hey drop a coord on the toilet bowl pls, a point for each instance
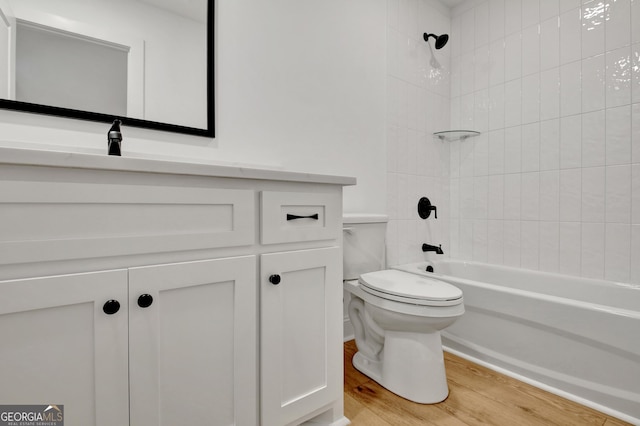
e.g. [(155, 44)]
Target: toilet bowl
[(397, 331), (397, 317)]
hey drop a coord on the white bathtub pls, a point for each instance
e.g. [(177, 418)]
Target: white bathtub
[(579, 338)]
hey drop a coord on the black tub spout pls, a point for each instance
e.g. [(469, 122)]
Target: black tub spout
[(429, 247)]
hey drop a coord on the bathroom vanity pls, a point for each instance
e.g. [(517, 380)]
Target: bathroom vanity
[(143, 292)]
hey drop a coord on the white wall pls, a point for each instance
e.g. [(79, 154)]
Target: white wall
[(302, 84), (417, 105), (5, 86), (554, 182), (299, 85)]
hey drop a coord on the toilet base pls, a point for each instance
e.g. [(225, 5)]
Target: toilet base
[(412, 366)]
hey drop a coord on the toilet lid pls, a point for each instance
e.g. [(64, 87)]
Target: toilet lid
[(409, 286)]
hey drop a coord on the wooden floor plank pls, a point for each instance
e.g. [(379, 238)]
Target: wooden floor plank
[(359, 414), (477, 395), (614, 422), (352, 380), (398, 411), (518, 396), (475, 408)]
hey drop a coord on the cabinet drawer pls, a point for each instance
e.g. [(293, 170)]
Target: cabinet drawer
[(43, 221), (296, 216)]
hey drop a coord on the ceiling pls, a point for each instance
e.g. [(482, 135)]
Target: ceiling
[(192, 9), (452, 3), (197, 9)]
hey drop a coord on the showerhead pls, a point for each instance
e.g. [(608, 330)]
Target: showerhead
[(441, 40)]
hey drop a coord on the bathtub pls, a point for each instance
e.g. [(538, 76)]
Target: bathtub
[(576, 337)]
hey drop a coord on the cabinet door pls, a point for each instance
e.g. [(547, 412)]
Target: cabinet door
[(301, 334), (193, 348), (58, 346)]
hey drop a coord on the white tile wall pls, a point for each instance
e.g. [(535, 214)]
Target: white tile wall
[(593, 83), (549, 246), (593, 250), (635, 68), (569, 257), (418, 99), (617, 259), (635, 131), (618, 77), (593, 139), (617, 23), (566, 5), (550, 196), (550, 144), (635, 21), (570, 40), (548, 9), (513, 16), (530, 243), (635, 253), (593, 33), (549, 38), (570, 89), (554, 183)]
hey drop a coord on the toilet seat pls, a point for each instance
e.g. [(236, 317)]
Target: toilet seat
[(410, 288)]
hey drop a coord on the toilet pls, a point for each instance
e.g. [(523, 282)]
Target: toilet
[(396, 315)]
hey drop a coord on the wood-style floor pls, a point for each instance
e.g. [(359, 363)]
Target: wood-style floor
[(477, 396)]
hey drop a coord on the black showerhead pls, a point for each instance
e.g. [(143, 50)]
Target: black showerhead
[(441, 40)]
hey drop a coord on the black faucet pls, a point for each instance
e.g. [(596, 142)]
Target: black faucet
[(429, 247), (114, 139)]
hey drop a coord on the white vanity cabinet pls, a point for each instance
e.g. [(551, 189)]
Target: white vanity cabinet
[(59, 347), (300, 292), (301, 337), (192, 352), (139, 292), (160, 345)]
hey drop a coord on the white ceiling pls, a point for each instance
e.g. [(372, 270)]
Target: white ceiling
[(197, 9), (192, 9), (452, 3)]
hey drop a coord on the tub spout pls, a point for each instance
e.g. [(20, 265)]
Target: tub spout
[(429, 247)]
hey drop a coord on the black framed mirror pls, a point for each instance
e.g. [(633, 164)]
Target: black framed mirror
[(148, 63)]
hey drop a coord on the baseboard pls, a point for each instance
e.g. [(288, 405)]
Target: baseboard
[(340, 422)]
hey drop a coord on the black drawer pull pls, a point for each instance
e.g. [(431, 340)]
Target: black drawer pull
[(295, 216)]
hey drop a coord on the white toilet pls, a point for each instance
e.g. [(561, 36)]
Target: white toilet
[(396, 316)]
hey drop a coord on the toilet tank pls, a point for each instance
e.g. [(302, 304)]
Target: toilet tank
[(363, 244)]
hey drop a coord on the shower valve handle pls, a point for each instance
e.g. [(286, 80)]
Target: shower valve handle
[(425, 208)]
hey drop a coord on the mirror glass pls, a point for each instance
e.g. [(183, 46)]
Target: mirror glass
[(147, 62)]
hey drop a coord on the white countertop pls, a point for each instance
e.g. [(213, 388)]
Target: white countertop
[(33, 157)]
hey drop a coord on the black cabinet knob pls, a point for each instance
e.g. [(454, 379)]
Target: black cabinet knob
[(145, 300), (274, 279), (111, 307)]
